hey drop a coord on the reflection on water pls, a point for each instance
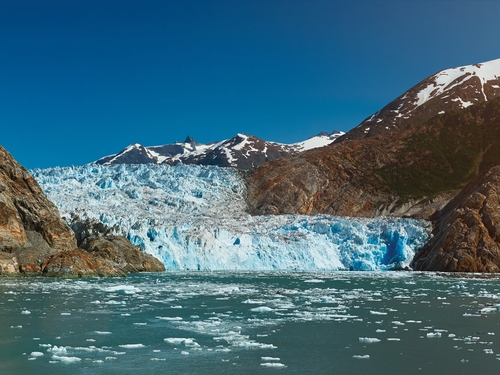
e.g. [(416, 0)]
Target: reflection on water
[(246, 323)]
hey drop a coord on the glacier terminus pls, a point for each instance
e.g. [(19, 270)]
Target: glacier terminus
[(194, 217)]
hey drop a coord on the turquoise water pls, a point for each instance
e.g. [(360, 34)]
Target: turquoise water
[(251, 323)]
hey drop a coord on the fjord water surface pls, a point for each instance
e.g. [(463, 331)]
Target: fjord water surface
[(190, 322)]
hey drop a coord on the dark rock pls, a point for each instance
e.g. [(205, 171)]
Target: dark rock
[(121, 252), (466, 236)]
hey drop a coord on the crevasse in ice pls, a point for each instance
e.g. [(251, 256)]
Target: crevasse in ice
[(194, 217)]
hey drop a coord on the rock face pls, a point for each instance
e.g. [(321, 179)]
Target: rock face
[(121, 252), (34, 240), (24, 207), (467, 231)]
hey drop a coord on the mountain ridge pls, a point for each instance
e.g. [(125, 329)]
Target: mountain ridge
[(241, 151)]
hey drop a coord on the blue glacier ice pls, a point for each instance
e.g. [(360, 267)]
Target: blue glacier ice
[(195, 217)]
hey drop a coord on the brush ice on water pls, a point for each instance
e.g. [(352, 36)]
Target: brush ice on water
[(194, 218)]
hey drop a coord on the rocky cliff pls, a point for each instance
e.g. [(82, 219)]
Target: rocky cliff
[(34, 240), (466, 236)]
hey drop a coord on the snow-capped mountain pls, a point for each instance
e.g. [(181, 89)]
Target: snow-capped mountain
[(447, 90), (242, 151)]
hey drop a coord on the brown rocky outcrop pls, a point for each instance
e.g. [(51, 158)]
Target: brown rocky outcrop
[(34, 240), (121, 252), (466, 236)]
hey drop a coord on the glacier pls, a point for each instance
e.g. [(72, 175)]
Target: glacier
[(194, 217)]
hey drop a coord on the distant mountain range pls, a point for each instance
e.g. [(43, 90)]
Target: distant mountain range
[(241, 151)]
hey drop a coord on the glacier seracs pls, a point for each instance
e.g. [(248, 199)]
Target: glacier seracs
[(194, 217)]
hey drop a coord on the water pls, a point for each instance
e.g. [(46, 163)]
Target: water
[(251, 323)]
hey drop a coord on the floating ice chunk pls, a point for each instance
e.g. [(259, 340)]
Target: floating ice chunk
[(172, 318), (487, 310), (18, 327), (103, 332), (184, 353), (261, 309), (366, 356), (380, 331), (45, 345), (433, 334), (273, 364), (314, 281), (127, 289), (368, 340), (157, 359), (57, 349), (180, 340), (25, 312), (66, 359), (254, 301), (253, 344), (65, 313), (132, 346), (99, 361), (36, 354), (270, 358), (491, 333), (377, 312), (393, 339)]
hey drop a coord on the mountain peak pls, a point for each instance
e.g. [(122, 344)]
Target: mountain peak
[(446, 90)]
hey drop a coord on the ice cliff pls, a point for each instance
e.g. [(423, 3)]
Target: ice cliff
[(194, 217)]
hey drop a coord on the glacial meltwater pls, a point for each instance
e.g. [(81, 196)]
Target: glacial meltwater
[(196, 322)]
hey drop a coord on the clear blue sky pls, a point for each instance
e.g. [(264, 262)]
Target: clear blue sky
[(82, 79)]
